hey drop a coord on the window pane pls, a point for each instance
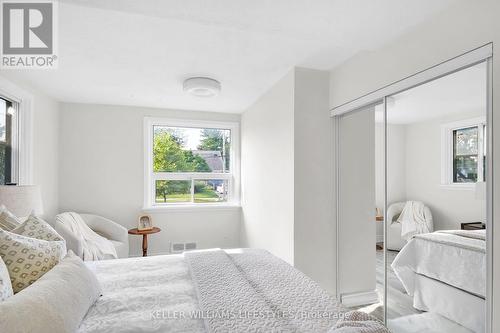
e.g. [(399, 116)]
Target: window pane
[(465, 169), (466, 141), (209, 191), (465, 155), (183, 149), (172, 191)]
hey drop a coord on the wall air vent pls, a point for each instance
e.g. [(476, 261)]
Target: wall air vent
[(181, 247)]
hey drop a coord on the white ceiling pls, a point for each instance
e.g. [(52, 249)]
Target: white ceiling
[(460, 92), (130, 52)]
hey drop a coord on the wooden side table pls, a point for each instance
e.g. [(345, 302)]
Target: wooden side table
[(144, 234)]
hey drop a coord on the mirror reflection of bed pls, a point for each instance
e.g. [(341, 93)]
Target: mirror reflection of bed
[(436, 207)]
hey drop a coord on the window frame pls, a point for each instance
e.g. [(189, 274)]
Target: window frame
[(24, 112), (447, 152), (14, 143), (150, 177)]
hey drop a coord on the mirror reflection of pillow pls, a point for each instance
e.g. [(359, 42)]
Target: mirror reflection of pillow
[(35, 227), (27, 259)]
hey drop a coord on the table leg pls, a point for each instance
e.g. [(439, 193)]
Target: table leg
[(144, 245)]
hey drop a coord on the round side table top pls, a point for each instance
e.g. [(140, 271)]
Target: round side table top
[(135, 231)]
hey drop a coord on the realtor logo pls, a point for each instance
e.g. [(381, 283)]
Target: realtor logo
[(28, 35)]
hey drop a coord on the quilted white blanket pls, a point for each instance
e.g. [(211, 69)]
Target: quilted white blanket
[(224, 291), (257, 292)]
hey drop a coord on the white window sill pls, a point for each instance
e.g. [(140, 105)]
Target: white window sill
[(190, 208), (455, 186)]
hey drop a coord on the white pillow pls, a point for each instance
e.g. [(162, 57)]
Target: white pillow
[(5, 285), (56, 303), (27, 259), (8, 221)]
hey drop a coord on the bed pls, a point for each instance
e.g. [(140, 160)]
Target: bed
[(243, 290), (445, 272)]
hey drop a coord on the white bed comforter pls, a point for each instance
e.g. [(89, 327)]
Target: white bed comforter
[(143, 295), (445, 256), (190, 293)]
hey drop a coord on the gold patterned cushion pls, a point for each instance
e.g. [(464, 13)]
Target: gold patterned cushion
[(5, 285), (27, 259), (8, 221), (35, 227)]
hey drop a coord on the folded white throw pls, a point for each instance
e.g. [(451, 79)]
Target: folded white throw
[(95, 247), (413, 220)]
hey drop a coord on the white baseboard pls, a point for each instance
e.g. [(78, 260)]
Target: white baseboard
[(357, 299)]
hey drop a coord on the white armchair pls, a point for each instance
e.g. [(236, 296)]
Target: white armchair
[(108, 229), (394, 241)]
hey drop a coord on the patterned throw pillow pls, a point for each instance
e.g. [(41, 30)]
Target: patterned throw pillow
[(27, 259), (8, 221), (5, 285), (35, 227)]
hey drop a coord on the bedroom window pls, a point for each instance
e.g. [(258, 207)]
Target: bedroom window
[(190, 163), (8, 142), (464, 148)]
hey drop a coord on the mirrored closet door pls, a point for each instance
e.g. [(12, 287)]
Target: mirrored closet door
[(413, 185), (436, 161)]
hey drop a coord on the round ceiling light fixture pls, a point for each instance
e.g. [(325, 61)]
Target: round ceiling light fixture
[(202, 86)]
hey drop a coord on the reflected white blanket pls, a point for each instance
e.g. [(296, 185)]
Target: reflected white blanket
[(413, 220)]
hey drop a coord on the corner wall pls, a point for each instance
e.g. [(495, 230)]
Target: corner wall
[(315, 231), (267, 171), (287, 177), (102, 172)]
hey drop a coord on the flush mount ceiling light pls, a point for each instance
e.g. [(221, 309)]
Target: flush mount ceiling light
[(202, 86)]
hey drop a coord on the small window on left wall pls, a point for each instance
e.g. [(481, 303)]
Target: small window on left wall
[(8, 142)]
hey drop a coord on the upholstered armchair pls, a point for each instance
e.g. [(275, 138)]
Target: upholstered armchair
[(108, 229), (394, 241)]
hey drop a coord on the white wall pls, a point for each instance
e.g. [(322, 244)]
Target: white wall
[(267, 171), (101, 172), (314, 230), (287, 179), (449, 207), (45, 143), (356, 202), (46, 152), (465, 26)]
